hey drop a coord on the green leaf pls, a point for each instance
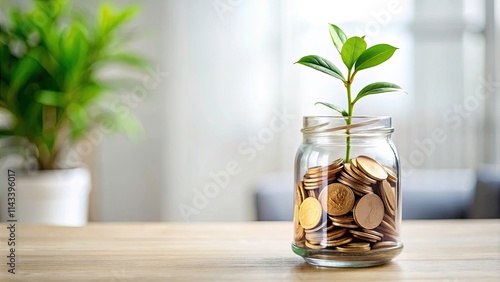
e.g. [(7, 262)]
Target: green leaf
[(378, 88), (79, 119), (6, 132), (127, 58), (338, 36), (49, 98), (110, 18), (49, 139), (131, 126), (333, 107), (322, 65), (351, 50), (374, 56), (128, 124), (22, 73)]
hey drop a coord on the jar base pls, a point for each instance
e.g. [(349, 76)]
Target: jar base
[(334, 258)]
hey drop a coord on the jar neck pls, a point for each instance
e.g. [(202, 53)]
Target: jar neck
[(335, 129)]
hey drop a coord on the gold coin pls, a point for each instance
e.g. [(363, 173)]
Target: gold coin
[(363, 175), (336, 233), (354, 247), (313, 193), (389, 227), (313, 180), (391, 174), (317, 228), (369, 211), (357, 245), (365, 235), (348, 170), (337, 163), (390, 220), (364, 239), (338, 242), (371, 167), (337, 199), (384, 244), (310, 212), (323, 174), (343, 181), (334, 166), (358, 190), (373, 232), (342, 219), (390, 237), (312, 187), (345, 225), (302, 191), (315, 236), (313, 246), (356, 183), (388, 196), (298, 195), (313, 170), (352, 179), (387, 231), (299, 231)]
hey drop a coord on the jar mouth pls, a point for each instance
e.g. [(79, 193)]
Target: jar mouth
[(353, 126)]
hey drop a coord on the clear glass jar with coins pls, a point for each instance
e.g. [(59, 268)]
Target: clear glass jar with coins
[(347, 208)]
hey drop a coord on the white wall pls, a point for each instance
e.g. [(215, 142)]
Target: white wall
[(217, 112), (130, 183), (230, 72), (224, 91)]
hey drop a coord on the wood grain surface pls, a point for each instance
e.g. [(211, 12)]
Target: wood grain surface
[(250, 251)]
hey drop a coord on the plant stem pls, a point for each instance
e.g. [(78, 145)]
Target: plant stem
[(349, 116)]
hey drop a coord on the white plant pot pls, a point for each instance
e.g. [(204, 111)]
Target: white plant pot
[(53, 197)]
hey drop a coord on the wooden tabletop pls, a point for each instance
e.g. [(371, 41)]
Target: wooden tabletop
[(251, 251)]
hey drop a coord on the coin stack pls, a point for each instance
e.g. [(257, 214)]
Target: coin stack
[(349, 207)]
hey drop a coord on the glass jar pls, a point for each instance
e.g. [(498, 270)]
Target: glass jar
[(347, 210)]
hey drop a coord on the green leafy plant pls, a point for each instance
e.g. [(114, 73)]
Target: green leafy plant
[(356, 57), (51, 82)]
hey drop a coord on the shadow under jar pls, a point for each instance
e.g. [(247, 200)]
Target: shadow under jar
[(347, 210)]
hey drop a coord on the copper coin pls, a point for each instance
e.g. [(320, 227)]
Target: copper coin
[(369, 211)]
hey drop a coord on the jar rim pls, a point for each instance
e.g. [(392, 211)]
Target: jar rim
[(357, 126), (342, 117)]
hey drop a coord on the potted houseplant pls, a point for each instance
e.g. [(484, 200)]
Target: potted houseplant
[(347, 209), (53, 94)]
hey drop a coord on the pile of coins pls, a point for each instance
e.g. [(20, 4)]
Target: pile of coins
[(349, 207)]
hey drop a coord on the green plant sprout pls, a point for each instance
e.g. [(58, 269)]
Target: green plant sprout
[(356, 57), (52, 86)]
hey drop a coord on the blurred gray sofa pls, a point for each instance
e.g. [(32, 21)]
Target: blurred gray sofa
[(426, 194)]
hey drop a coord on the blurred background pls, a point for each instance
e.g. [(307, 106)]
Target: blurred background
[(222, 119)]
